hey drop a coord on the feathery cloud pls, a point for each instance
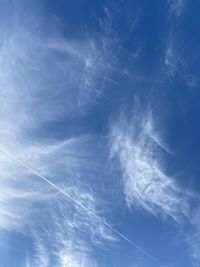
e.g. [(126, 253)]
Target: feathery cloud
[(138, 147), (47, 79), (176, 7)]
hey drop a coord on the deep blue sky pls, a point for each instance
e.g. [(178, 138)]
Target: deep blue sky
[(99, 126)]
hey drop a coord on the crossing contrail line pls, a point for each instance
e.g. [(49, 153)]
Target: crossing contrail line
[(78, 203)]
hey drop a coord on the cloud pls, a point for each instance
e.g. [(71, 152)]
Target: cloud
[(18, 195), (69, 239), (193, 243), (41, 257), (34, 208), (47, 82), (176, 7), (68, 258), (176, 63), (138, 148), (172, 61), (46, 79), (192, 237), (62, 254)]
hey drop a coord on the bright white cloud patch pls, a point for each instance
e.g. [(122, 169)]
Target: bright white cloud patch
[(137, 146)]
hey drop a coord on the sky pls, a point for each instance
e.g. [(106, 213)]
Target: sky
[(99, 133)]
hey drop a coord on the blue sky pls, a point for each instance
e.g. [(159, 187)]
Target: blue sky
[(99, 126)]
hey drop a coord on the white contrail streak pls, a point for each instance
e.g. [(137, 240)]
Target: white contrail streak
[(78, 203)]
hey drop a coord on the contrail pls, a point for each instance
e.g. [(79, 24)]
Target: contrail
[(67, 195)]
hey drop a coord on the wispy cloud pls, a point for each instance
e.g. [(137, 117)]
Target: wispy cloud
[(29, 204), (30, 72), (176, 7), (46, 79), (138, 147), (41, 255), (192, 238), (67, 257), (171, 61), (176, 63)]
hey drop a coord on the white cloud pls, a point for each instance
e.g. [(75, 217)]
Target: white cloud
[(172, 61), (45, 79), (175, 63), (24, 195), (18, 195), (65, 236), (138, 148), (41, 83), (69, 256), (192, 237), (55, 221), (41, 255), (176, 7)]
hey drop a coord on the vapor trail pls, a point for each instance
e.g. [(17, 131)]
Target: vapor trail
[(78, 203)]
